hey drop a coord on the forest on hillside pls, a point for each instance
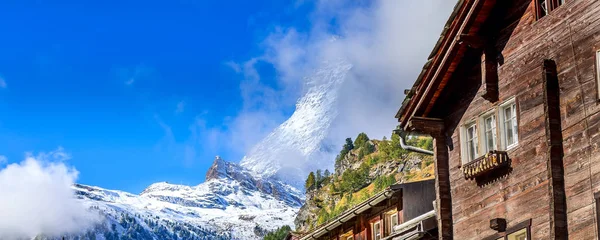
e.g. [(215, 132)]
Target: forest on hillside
[(363, 168)]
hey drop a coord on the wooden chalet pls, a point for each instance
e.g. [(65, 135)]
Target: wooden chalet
[(401, 211), (510, 94)]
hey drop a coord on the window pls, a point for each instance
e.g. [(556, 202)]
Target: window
[(598, 71), (469, 142), (500, 120), (489, 132), (393, 221), (472, 142), (347, 236), (544, 7), (519, 235), (376, 230), (597, 198), (509, 133), (520, 231)]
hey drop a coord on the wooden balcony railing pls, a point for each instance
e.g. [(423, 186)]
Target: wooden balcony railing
[(485, 164)]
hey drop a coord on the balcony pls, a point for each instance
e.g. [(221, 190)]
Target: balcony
[(485, 164)]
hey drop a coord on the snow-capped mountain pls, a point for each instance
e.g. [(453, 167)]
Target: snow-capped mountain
[(230, 204), (296, 147)]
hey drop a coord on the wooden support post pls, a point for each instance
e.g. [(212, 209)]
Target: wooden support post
[(436, 128), (489, 74), (554, 139)]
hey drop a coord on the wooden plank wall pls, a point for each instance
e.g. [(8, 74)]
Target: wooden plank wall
[(569, 36)]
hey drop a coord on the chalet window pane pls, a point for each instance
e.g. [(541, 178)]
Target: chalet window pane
[(377, 231), (598, 71), (394, 220), (510, 125), (544, 7), (472, 148), (490, 133), (518, 235)]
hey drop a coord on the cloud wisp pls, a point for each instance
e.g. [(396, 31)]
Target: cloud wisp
[(386, 42), (36, 198)]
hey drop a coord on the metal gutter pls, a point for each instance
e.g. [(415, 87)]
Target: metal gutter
[(410, 223), (405, 146)]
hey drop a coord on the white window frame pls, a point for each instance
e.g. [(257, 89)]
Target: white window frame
[(502, 120), (376, 235), (598, 71), (545, 7), (392, 217), (484, 131), (465, 152)]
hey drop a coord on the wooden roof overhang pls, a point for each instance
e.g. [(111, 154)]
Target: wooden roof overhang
[(353, 212), (463, 25)]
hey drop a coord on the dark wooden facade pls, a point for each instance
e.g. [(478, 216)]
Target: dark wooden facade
[(405, 202), (492, 52)]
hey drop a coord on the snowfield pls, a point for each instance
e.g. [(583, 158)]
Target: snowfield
[(230, 204)]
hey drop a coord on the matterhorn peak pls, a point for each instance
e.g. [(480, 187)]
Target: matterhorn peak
[(296, 147)]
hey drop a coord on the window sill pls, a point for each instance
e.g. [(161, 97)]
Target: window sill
[(511, 147), (485, 164)]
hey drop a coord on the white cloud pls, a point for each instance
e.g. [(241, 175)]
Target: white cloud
[(36, 197), (2, 82), (234, 66), (180, 107), (386, 41), (3, 160)]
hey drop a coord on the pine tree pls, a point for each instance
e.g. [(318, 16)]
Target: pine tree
[(327, 173), (361, 140), (345, 150), (348, 146), (319, 178), (310, 181)]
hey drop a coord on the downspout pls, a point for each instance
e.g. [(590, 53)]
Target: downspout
[(405, 146)]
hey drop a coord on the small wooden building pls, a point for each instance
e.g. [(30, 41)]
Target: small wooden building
[(402, 211), (511, 96)]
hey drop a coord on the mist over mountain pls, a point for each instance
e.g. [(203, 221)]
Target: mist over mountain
[(300, 144)]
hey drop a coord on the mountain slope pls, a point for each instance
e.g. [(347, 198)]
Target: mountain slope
[(230, 204), (293, 149), (363, 168)]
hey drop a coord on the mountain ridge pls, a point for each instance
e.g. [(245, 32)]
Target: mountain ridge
[(230, 204)]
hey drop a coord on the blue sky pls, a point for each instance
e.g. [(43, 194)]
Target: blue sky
[(138, 92), (122, 85)]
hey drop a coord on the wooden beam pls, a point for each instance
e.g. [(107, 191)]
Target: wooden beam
[(489, 74), (436, 128), (473, 41), (554, 139), (431, 126)]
